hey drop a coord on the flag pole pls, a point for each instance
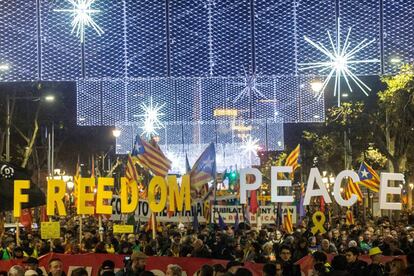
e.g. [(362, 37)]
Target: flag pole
[(100, 227), (17, 233), (154, 234), (80, 230)]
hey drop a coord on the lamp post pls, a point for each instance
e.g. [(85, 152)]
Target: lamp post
[(48, 98)]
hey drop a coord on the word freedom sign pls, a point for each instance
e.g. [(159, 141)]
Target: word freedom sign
[(179, 197)]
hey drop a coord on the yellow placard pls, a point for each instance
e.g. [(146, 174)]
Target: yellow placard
[(123, 229), (50, 230)]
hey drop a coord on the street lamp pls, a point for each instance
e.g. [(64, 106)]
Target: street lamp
[(50, 98), (116, 132), (316, 86), (70, 185)]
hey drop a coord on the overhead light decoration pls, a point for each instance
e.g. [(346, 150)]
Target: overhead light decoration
[(81, 13), (342, 60), (250, 88), (225, 112), (4, 67), (151, 118), (250, 147)]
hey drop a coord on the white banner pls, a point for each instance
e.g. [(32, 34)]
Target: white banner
[(143, 213), (267, 214)]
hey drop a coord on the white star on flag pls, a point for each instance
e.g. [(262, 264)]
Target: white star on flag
[(364, 173)]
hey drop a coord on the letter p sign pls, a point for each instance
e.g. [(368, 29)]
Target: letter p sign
[(244, 187)]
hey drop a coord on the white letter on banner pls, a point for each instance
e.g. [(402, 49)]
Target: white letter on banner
[(244, 187), (276, 183), (337, 188), (315, 175), (385, 190)]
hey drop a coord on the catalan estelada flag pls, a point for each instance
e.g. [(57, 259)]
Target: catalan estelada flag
[(151, 157), (293, 159), (204, 169), (368, 177), (349, 218), (352, 188), (131, 172)]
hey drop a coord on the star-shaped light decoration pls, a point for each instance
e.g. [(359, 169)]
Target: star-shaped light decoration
[(151, 121), (341, 61), (82, 17), (250, 88), (250, 147)]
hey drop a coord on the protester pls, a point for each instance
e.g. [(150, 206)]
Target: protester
[(30, 272), (173, 270), (289, 268), (270, 244), (32, 264), (107, 268), (375, 268), (135, 265), (219, 270), (397, 267), (8, 252), (16, 270), (56, 267), (339, 266), (80, 271), (269, 269), (355, 267)]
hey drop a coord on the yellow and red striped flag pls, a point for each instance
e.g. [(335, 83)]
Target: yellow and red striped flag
[(368, 177), (352, 188), (151, 157), (204, 169), (349, 218), (131, 173), (293, 159), (288, 223)]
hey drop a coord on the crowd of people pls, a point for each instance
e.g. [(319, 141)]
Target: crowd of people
[(336, 252)]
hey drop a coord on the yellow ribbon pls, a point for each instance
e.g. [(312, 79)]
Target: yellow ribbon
[(318, 223)]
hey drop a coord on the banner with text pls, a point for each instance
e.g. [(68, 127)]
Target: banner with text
[(158, 265), (267, 213), (143, 213)]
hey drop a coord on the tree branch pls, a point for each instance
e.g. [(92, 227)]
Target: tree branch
[(29, 149)]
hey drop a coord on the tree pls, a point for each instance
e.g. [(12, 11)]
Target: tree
[(393, 124), (341, 139)]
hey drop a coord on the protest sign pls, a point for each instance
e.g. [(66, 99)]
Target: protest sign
[(50, 230), (267, 214), (143, 213), (123, 229)]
